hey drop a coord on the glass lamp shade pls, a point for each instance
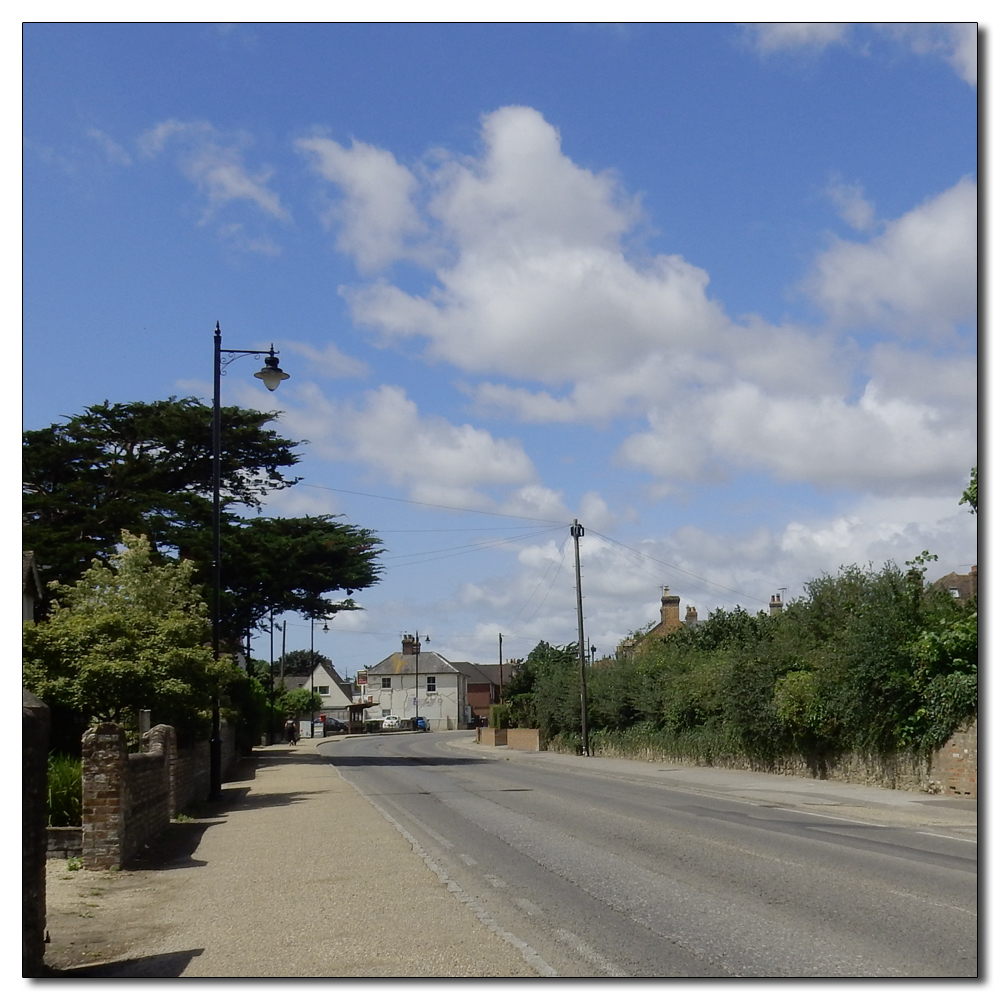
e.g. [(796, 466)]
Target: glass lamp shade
[(271, 375)]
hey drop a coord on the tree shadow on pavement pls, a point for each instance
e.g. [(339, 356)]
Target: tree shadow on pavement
[(168, 966)]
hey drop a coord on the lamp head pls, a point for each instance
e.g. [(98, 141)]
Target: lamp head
[(271, 375)]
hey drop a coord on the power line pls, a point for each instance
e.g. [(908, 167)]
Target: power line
[(455, 550)]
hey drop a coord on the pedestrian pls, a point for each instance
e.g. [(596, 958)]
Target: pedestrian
[(291, 736)]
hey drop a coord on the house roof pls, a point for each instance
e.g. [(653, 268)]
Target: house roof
[(322, 677), (406, 663), (480, 673)]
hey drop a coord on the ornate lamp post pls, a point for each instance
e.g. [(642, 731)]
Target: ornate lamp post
[(272, 376)]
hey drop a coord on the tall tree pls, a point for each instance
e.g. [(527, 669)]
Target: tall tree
[(147, 468)]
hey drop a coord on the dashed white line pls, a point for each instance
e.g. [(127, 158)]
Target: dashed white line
[(595, 958)]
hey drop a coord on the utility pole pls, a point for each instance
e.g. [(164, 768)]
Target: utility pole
[(500, 637), (576, 530)]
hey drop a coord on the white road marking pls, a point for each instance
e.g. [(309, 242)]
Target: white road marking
[(595, 958), (495, 881), (527, 905), (471, 862)]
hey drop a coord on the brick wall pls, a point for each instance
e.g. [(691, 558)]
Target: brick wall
[(523, 739), (491, 737), (129, 799), (955, 767)]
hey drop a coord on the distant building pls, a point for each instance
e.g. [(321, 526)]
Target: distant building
[(962, 586)]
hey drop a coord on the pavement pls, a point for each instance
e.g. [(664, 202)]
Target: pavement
[(293, 874), (296, 874)]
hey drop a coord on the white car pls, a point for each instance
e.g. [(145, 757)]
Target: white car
[(390, 722)]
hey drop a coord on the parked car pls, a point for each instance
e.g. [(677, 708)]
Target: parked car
[(334, 726), (390, 722), (419, 724)]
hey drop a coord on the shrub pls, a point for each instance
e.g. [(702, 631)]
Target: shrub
[(65, 790)]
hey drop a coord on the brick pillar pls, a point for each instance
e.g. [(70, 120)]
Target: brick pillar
[(34, 837), (105, 759), (670, 611)]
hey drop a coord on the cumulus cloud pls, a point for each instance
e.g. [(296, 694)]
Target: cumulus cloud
[(214, 162), (376, 220), (918, 276), (433, 459), (881, 443), (534, 287), (957, 44)]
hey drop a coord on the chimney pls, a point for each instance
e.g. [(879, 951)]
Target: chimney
[(411, 646), (670, 609), (691, 616), (776, 605)]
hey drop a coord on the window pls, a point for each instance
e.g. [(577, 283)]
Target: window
[(385, 711), (386, 682), (431, 685), (324, 689)]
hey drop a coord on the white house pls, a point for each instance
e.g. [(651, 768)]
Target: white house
[(415, 683), (328, 684)]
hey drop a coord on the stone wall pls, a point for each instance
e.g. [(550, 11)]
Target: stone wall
[(34, 840), (952, 770)]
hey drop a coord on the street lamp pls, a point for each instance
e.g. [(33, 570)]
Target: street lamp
[(272, 376)]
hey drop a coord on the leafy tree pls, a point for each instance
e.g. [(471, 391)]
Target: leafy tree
[(128, 636), (298, 702), (971, 494), (147, 468), (301, 662)]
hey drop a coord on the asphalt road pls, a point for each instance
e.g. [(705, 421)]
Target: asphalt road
[(616, 870)]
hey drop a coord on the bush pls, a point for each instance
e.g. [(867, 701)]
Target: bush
[(65, 790), (499, 716)]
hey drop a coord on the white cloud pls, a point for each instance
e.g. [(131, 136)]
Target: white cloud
[(957, 44), (918, 277), (114, 151), (881, 443), (434, 460), (537, 289), (214, 162), (376, 218), (782, 36), (329, 362), (851, 204)]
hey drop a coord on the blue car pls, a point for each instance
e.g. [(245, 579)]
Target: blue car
[(419, 723)]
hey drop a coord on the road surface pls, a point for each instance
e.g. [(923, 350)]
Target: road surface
[(608, 868)]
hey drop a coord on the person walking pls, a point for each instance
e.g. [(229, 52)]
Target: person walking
[(291, 731)]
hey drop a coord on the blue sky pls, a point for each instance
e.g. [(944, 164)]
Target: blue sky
[(709, 288)]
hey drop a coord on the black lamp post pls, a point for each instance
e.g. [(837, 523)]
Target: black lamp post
[(272, 376)]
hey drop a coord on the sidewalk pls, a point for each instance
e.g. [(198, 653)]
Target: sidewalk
[(292, 874)]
